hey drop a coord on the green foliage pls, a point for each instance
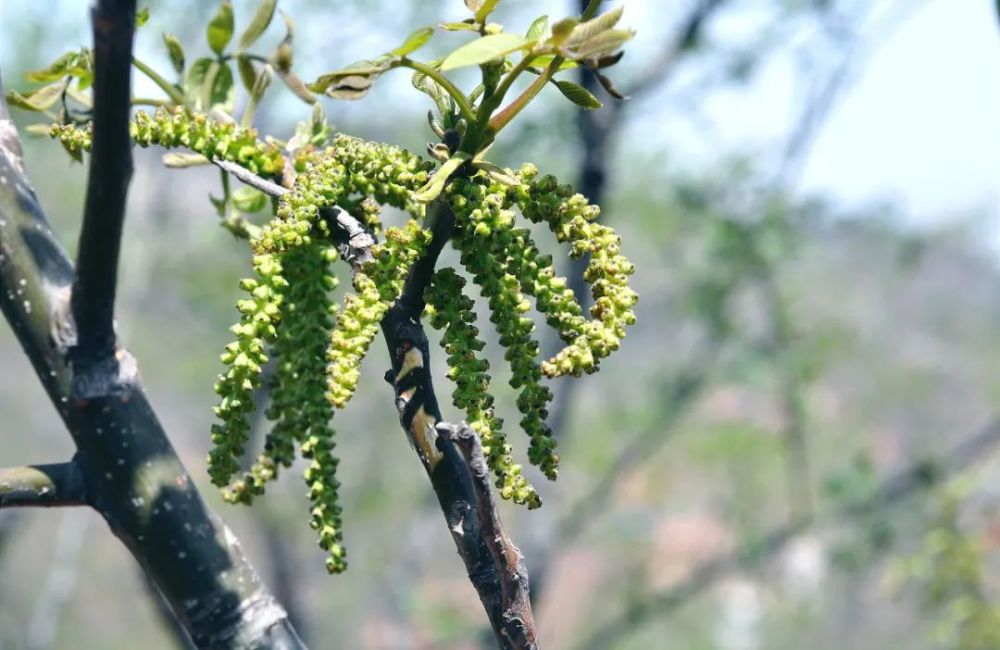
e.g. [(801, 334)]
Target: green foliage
[(949, 567), (287, 319)]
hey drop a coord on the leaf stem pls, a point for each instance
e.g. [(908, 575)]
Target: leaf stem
[(444, 82), (154, 76), (490, 104), (501, 119), (149, 101)]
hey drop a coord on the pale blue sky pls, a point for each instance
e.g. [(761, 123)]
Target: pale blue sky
[(920, 126)]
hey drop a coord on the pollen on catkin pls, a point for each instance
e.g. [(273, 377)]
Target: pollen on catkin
[(376, 286), (298, 404), (244, 358), (483, 228), (450, 309), (573, 220)]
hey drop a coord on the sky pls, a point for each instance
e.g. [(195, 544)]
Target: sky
[(918, 126), (922, 125)]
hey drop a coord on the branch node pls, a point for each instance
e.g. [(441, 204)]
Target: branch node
[(107, 376)]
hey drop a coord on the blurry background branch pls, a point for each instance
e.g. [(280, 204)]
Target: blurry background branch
[(917, 477)]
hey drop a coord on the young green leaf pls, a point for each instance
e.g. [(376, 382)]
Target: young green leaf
[(175, 51), (435, 185), (577, 94), (485, 10), (56, 70), (141, 17), (414, 41), (595, 26), (247, 199), (544, 60), (261, 19), (350, 87), (222, 92), (220, 30), (537, 29), (603, 43), (365, 68), (248, 75), (429, 87), (466, 26), (39, 99), (562, 29), (196, 79), (485, 49)]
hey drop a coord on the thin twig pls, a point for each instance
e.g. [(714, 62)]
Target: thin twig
[(60, 484), (249, 178)]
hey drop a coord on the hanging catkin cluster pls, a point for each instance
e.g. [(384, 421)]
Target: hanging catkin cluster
[(316, 348), (450, 309)]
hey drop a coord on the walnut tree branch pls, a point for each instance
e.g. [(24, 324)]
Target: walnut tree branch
[(93, 297), (132, 474), (514, 592), (247, 177), (60, 484), (495, 567)]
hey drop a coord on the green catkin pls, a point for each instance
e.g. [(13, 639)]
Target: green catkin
[(319, 350), (450, 309), (298, 404), (321, 478), (483, 226), (245, 357), (572, 220), (386, 173), (376, 285), (172, 128), (320, 185)]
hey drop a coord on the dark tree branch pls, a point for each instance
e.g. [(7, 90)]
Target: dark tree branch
[(918, 477), (93, 296), (60, 484), (131, 473), (471, 516)]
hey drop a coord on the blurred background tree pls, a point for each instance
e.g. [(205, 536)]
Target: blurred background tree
[(769, 463)]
